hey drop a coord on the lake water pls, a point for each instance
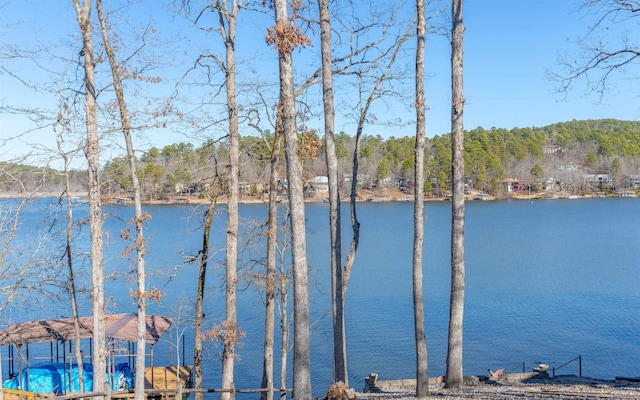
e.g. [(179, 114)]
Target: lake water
[(546, 281)]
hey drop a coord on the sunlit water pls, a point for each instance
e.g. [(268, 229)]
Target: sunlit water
[(546, 281)]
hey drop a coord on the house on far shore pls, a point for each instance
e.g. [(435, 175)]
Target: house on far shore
[(632, 181), (597, 179), (122, 200), (319, 183), (550, 185), (363, 181), (510, 185)]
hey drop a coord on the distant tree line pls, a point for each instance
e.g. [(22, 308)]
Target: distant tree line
[(564, 151), (18, 178)]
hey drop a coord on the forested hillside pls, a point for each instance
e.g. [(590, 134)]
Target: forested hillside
[(568, 153), (20, 179)]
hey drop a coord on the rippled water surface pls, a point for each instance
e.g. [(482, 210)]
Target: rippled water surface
[(546, 281)]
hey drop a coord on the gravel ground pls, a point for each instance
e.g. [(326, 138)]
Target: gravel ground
[(555, 389)]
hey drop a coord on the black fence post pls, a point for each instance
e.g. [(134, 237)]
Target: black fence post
[(580, 364)]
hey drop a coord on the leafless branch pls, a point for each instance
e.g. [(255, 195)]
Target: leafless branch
[(598, 59)]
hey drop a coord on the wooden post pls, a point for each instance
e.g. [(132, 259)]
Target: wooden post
[(270, 390), (108, 395)]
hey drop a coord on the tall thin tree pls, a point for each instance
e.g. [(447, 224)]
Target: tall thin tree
[(339, 340), (285, 37), (363, 113), (422, 376), (273, 145), (456, 311), (202, 274), (139, 217), (227, 16), (92, 153), (270, 303), (71, 286), (389, 55)]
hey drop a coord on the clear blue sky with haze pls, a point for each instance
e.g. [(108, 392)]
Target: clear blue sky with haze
[(509, 45)]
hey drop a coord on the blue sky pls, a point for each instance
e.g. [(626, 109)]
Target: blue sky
[(509, 45)]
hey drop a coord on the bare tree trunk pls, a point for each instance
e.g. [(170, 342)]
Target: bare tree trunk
[(456, 312), (355, 224), (139, 242), (204, 258), (284, 329), (282, 285), (270, 306), (71, 287), (339, 339), (285, 40), (422, 375), (229, 38), (92, 152)]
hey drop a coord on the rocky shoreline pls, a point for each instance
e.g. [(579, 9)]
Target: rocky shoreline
[(561, 387)]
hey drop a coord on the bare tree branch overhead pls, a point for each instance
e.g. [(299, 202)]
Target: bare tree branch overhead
[(608, 48)]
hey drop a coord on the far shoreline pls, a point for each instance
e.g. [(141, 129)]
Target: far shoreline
[(387, 196)]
